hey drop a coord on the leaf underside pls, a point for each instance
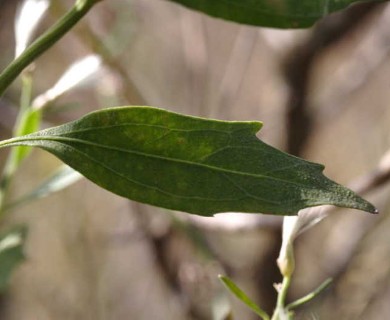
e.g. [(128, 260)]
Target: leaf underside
[(190, 164), (269, 13)]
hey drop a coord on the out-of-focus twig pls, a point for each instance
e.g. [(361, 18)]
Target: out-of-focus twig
[(370, 257), (366, 54), (196, 58), (77, 73), (232, 222), (376, 178), (170, 267), (44, 42), (239, 60), (90, 39), (298, 65)]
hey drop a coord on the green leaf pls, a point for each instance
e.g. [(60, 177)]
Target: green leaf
[(11, 253), (268, 13), (189, 164), (235, 290), (29, 122), (60, 179)]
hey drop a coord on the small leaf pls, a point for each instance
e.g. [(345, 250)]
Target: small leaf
[(190, 164), (29, 122), (275, 14), (62, 178), (11, 253), (235, 290)]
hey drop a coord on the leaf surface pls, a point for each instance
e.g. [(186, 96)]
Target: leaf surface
[(240, 295), (269, 13), (190, 164)]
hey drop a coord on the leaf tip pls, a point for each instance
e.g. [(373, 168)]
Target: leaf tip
[(375, 211), (367, 206)]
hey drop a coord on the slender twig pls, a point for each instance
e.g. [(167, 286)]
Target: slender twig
[(376, 178), (310, 296), (299, 64), (44, 42), (281, 310), (192, 29), (235, 70), (12, 161), (91, 39), (283, 291)]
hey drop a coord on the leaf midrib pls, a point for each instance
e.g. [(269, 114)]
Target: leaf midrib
[(223, 170), (247, 195)]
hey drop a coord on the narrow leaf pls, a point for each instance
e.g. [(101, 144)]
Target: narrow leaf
[(190, 164), (235, 290), (11, 253), (266, 13), (29, 122), (60, 179)]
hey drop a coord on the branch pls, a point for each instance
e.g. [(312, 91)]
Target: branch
[(298, 66), (90, 39), (44, 42)]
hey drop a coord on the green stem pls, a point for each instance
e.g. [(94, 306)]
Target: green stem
[(12, 159), (281, 311), (283, 292), (44, 42), (310, 296)]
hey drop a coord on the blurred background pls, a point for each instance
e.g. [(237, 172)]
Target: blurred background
[(322, 93)]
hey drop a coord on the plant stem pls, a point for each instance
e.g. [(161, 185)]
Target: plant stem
[(12, 159), (283, 292), (310, 296), (281, 313), (44, 42)]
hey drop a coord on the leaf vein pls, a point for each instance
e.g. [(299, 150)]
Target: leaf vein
[(146, 185), (223, 170)]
